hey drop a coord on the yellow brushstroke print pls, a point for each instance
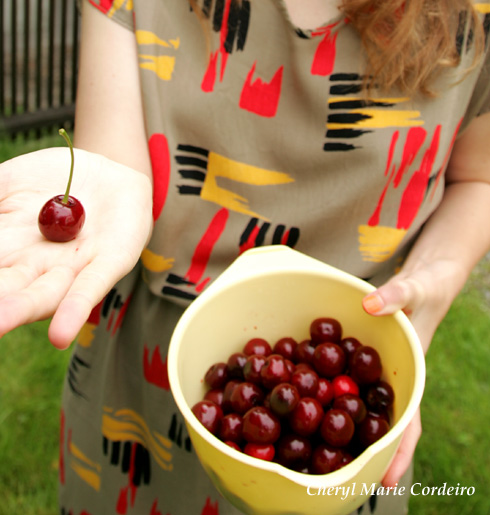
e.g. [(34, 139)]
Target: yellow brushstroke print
[(126, 424), (88, 470), (482, 8), (118, 4), (379, 119), (379, 243), (146, 37), (162, 65), (86, 335), (154, 262), (222, 167)]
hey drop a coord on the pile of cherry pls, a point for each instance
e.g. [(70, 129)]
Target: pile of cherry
[(311, 406)]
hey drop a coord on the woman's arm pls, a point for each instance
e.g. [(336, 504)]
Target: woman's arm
[(453, 241), (109, 107)]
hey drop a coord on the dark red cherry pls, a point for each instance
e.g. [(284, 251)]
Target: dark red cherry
[(353, 405), (61, 221), (217, 375), (306, 417), (235, 363), (371, 429), (231, 428), (261, 451), (380, 396), (252, 368), (209, 414), (326, 459), (274, 371), (293, 451), (285, 347), (227, 392), (257, 346), (329, 359), (62, 217), (365, 365), (303, 352), (349, 345), (245, 396), (215, 395), (325, 330), (306, 381), (261, 426), (337, 428), (325, 392), (283, 399)]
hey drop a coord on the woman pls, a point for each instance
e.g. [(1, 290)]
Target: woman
[(356, 134)]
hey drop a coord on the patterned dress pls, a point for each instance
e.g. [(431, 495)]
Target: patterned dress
[(263, 138)]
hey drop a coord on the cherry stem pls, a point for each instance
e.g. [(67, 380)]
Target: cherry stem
[(65, 136)]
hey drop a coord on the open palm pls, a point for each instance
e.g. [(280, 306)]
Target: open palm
[(38, 278)]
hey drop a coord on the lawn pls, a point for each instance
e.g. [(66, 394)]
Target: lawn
[(456, 407)]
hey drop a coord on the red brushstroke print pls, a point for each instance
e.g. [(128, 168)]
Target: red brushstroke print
[(374, 220), (414, 193), (155, 371), (154, 509), (250, 242), (415, 140), (130, 490), (205, 246), (209, 79), (160, 163), (102, 5), (324, 58), (210, 508), (94, 317), (261, 97), (120, 316)]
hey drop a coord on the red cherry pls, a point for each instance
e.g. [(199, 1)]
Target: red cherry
[(325, 392), (329, 359), (62, 217), (252, 368), (372, 429), (274, 371), (233, 445), (261, 426), (217, 375), (257, 346), (365, 365), (343, 384), (285, 347), (293, 451), (235, 364), (326, 459), (353, 405), (227, 392), (306, 381), (303, 352), (350, 345), (283, 399), (337, 428), (231, 428), (261, 451), (380, 396), (215, 395), (209, 414), (325, 330), (245, 396), (306, 417)]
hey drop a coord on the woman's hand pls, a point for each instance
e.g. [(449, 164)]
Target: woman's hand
[(38, 278), (425, 295)]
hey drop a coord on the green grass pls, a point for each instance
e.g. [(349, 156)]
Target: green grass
[(455, 409)]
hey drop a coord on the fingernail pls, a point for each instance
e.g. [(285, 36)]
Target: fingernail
[(373, 303)]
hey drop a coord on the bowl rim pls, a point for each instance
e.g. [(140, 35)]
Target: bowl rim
[(349, 471)]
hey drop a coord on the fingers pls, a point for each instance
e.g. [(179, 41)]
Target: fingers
[(25, 301), (88, 288), (404, 454), (398, 293)]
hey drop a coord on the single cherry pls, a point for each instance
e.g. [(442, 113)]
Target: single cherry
[(329, 359), (365, 365), (217, 375), (325, 330), (231, 428), (343, 384), (260, 426), (337, 427), (63, 216), (274, 371), (283, 399), (353, 405), (264, 452), (326, 459), (294, 451), (257, 346), (209, 414), (380, 396), (306, 417), (285, 347)]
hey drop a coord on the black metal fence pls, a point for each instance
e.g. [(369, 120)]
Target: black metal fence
[(38, 64)]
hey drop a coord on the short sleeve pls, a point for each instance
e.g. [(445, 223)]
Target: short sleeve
[(121, 11)]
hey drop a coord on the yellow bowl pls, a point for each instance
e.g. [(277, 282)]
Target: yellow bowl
[(273, 292)]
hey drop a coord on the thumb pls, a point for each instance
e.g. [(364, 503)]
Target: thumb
[(398, 293)]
